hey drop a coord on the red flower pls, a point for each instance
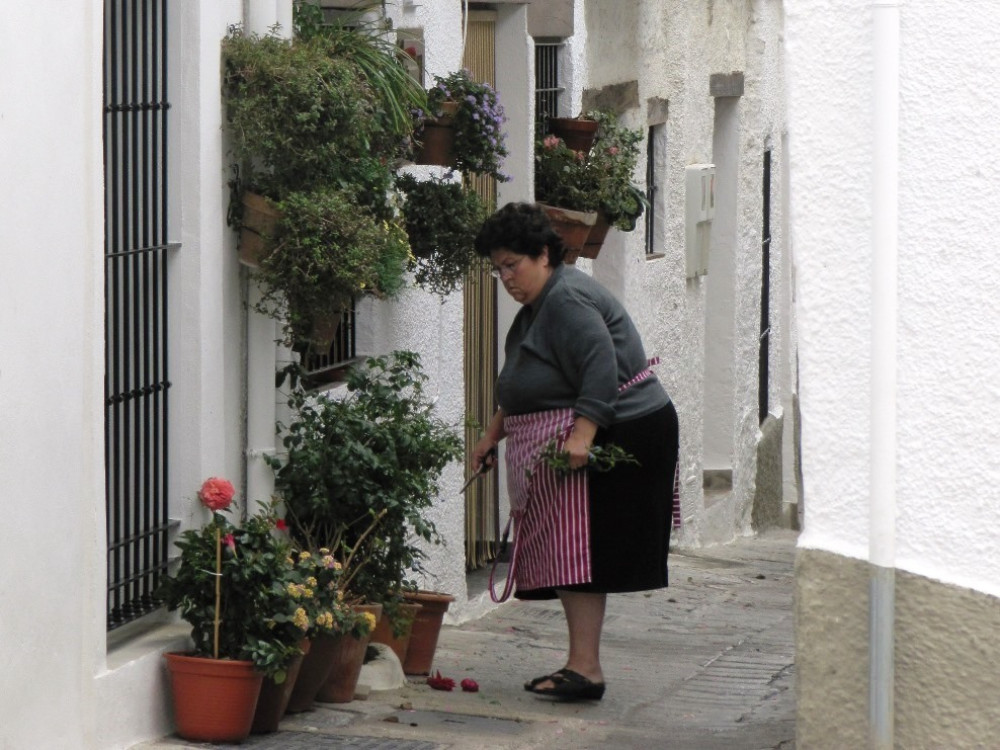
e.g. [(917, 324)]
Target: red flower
[(438, 682), (470, 686), (230, 541), (216, 494), (280, 525)]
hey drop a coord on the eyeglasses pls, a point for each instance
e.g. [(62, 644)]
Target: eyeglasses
[(506, 269)]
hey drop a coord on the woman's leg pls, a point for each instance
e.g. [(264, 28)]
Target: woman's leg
[(585, 620)]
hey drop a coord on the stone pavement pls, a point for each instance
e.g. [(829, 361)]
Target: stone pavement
[(707, 664)]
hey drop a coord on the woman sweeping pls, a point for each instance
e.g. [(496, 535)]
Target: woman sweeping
[(575, 372)]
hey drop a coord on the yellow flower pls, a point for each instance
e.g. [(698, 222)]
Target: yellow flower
[(307, 592), (304, 556), (324, 620), (329, 563), (312, 582), (369, 619), (324, 551), (300, 619)]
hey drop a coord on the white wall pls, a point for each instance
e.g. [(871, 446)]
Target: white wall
[(51, 373), (948, 405)]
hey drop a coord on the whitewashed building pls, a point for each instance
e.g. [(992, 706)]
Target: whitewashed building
[(130, 369), (892, 133)]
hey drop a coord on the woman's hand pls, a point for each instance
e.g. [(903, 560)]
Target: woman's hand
[(484, 456), (579, 441)]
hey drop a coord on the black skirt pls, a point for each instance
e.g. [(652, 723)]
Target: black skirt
[(631, 509)]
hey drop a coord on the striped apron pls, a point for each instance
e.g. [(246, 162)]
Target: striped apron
[(550, 511)]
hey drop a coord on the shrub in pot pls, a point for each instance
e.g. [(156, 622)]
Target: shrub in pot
[(359, 473), (328, 249), (442, 218)]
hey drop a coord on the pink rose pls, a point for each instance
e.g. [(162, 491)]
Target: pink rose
[(551, 141), (216, 494), (230, 541), (613, 150)]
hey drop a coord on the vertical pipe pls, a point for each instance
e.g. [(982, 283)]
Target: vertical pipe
[(261, 354), (882, 519)]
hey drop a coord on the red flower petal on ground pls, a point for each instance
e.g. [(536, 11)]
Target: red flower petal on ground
[(438, 682), (469, 685)]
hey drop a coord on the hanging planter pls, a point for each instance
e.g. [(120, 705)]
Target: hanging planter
[(579, 133), (260, 220), (573, 226), (214, 699), (438, 141), (595, 239), (426, 630)]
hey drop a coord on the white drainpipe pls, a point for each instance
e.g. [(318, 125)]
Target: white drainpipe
[(882, 516), (261, 331)]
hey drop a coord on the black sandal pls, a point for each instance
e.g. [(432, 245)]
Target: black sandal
[(567, 685)]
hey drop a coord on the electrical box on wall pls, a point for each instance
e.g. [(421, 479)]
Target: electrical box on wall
[(699, 210)]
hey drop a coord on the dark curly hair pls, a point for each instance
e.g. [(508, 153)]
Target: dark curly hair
[(522, 228)]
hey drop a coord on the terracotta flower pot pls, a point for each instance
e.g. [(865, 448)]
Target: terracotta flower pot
[(214, 699), (315, 669), (425, 631), (383, 632), (439, 139), (578, 133), (260, 219), (346, 661), (274, 697), (595, 239), (573, 226)]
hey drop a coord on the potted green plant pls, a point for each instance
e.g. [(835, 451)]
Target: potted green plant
[(442, 218), (328, 249), (359, 473), (585, 192), (472, 111), (231, 588), (621, 202), (318, 591), (316, 124)]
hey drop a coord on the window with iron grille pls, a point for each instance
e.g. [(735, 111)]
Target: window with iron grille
[(547, 88), (330, 365), (136, 249)]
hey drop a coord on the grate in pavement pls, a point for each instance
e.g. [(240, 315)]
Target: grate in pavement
[(312, 741)]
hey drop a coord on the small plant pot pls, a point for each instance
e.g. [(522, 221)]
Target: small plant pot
[(214, 699), (426, 630), (437, 146), (346, 661), (274, 697), (384, 634)]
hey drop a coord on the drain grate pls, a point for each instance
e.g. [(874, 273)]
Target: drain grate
[(313, 741)]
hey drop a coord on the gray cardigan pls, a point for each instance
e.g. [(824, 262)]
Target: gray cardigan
[(573, 347)]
